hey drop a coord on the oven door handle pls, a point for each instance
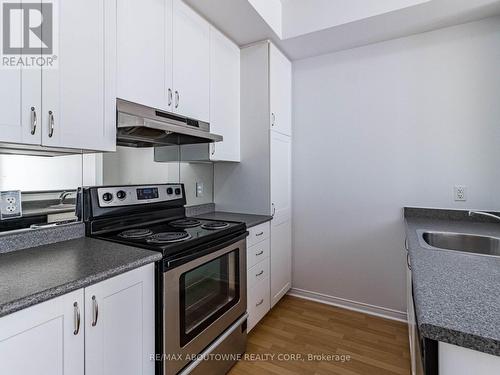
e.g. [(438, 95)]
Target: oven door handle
[(210, 250), (214, 345)]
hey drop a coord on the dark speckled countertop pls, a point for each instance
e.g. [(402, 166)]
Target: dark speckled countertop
[(249, 219), (37, 274), (457, 295)]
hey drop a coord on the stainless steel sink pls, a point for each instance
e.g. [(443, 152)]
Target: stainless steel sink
[(463, 242)]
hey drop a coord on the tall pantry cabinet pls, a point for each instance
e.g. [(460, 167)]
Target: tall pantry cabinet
[(261, 182)]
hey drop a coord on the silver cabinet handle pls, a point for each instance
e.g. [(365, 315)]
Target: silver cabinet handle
[(406, 244), (259, 253), (259, 274), (177, 98), (95, 311), (51, 124), (77, 318), (408, 261), (273, 209), (213, 149), (34, 121), (260, 302), (273, 118), (259, 234), (169, 97)]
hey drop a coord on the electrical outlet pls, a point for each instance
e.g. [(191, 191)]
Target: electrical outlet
[(460, 193), (199, 189), (10, 205)]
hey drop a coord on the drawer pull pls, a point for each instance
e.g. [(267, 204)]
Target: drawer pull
[(259, 234), (260, 302), (259, 253), (95, 311), (259, 274), (77, 318)]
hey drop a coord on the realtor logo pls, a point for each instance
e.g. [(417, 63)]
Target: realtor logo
[(28, 34)]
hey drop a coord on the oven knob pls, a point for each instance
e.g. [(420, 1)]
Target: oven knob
[(177, 191), (120, 194), (107, 197), (170, 191)]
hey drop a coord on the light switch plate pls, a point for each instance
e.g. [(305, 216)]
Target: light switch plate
[(199, 189), (10, 205)]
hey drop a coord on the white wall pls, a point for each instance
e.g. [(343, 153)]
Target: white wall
[(381, 127)]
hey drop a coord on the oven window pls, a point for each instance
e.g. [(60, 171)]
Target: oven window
[(207, 292)]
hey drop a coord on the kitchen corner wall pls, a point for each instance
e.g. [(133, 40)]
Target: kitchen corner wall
[(137, 166), (381, 127)]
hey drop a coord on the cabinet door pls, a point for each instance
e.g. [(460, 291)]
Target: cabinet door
[(119, 324), (44, 339), (281, 156), (144, 63), (281, 242), (191, 63), (410, 309), (78, 96), (224, 96), (280, 73), (281, 260), (20, 100)]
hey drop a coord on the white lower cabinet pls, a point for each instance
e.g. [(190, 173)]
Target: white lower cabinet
[(258, 277), (456, 360), (107, 328), (44, 339), (119, 324), (258, 302)]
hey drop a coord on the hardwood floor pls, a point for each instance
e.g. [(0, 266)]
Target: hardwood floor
[(300, 327)]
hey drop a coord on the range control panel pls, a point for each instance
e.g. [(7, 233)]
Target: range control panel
[(117, 196)]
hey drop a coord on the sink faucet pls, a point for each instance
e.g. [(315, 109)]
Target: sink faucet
[(63, 196), (481, 213)]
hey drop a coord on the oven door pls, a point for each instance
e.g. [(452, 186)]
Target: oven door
[(202, 298)]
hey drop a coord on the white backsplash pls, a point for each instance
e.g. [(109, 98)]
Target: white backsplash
[(137, 166), (36, 173)]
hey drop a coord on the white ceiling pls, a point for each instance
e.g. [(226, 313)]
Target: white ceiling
[(301, 17), (351, 27)]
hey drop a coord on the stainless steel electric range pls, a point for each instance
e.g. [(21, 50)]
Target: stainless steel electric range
[(201, 281)]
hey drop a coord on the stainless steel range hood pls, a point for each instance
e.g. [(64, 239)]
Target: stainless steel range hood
[(141, 126)]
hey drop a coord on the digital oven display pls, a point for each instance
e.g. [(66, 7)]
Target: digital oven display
[(147, 193)]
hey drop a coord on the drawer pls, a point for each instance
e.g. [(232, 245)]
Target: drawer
[(257, 253), (258, 233), (259, 302), (258, 273)]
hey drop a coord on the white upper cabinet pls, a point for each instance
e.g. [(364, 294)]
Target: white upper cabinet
[(78, 93), (145, 52), (191, 66), (78, 96), (44, 339), (20, 103), (224, 96), (280, 91), (11, 127), (164, 57)]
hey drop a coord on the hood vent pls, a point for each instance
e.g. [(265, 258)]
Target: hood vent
[(141, 126)]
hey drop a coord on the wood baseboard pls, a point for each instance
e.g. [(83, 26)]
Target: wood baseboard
[(350, 305)]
